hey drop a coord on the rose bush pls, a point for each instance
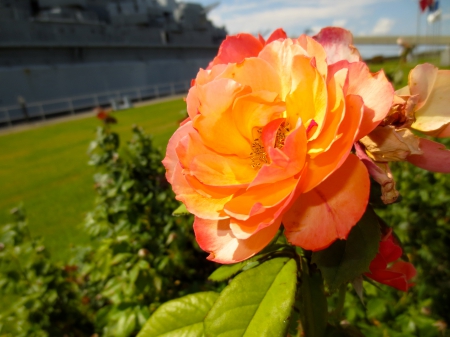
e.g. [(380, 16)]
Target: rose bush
[(268, 139)]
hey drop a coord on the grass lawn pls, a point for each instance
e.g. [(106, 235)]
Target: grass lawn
[(46, 169)]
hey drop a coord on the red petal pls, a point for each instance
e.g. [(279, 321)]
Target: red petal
[(236, 48), (390, 278), (277, 34), (405, 268), (390, 251)]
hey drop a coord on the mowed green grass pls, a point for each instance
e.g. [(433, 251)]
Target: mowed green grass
[(46, 169)]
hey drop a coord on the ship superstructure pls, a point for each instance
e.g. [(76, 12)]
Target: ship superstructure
[(52, 49)]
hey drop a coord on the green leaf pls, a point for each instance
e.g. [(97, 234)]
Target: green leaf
[(345, 260), (126, 324), (227, 271), (182, 317), (258, 302), (181, 211), (359, 289), (312, 302)]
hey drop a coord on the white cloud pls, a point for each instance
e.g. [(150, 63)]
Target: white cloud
[(254, 16), (339, 23), (383, 26)]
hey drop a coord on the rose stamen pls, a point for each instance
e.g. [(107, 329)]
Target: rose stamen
[(258, 156), (280, 138)]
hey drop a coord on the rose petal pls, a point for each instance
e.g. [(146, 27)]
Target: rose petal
[(390, 251), (240, 207), (375, 90), (255, 73), (337, 43), (308, 97), (390, 278), (316, 51), (333, 118), (421, 82), (324, 164), (217, 238), (329, 211), (445, 132), (434, 114), (171, 159), (280, 56), (236, 48), (215, 123), (200, 205), (276, 35), (435, 157), (405, 268), (255, 110)]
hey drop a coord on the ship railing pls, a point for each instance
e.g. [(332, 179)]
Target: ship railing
[(42, 110)]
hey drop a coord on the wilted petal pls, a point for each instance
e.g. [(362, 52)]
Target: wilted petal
[(217, 238), (387, 143), (337, 43), (381, 173), (329, 211), (435, 157)]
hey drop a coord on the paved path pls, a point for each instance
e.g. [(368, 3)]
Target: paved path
[(81, 115)]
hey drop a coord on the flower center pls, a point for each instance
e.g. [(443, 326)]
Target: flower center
[(258, 156)]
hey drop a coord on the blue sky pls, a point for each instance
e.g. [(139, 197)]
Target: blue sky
[(362, 17)]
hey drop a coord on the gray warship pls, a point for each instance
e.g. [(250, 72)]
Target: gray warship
[(64, 56)]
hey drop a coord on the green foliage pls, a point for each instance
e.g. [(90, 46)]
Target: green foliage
[(345, 260), (257, 302), (46, 299), (181, 317), (142, 256)]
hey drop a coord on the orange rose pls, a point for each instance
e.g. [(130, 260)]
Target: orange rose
[(268, 141)]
